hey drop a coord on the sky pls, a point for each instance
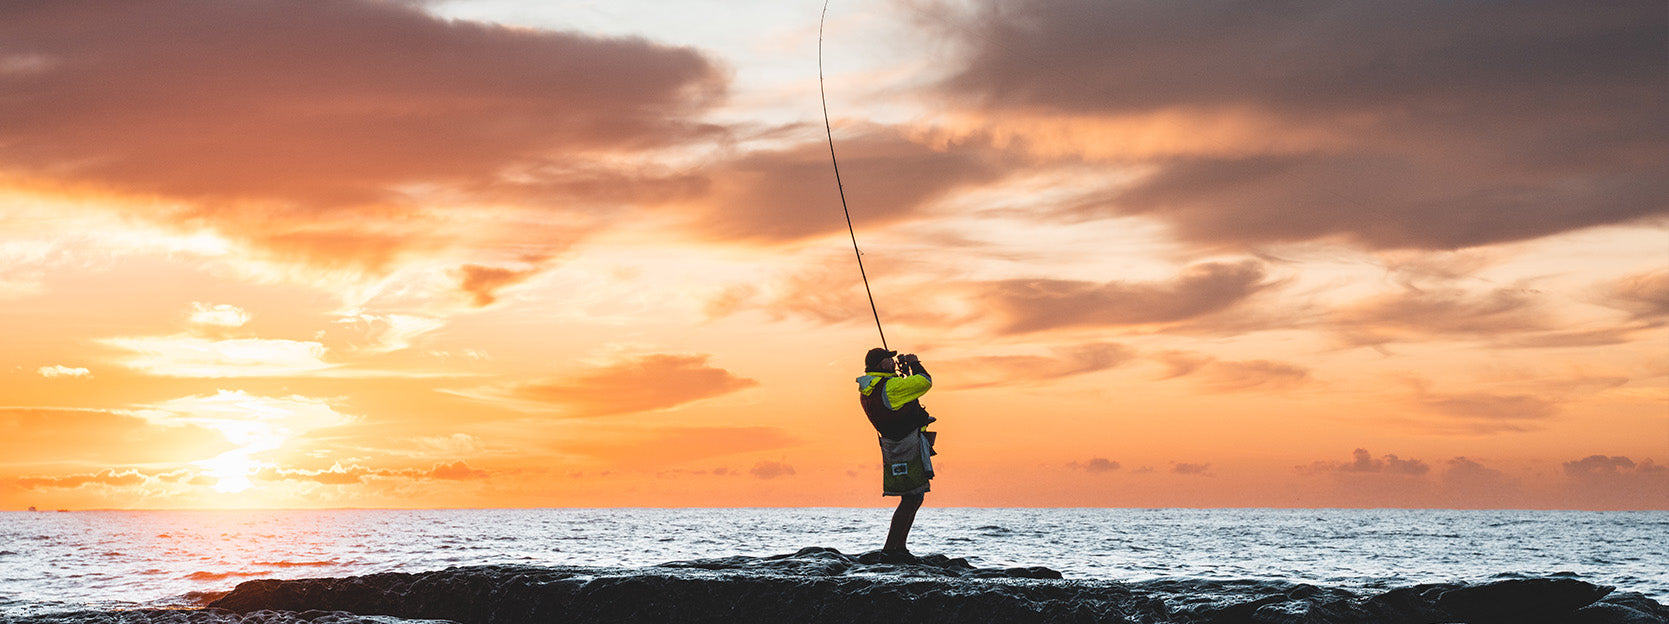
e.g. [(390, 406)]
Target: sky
[(506, 253)]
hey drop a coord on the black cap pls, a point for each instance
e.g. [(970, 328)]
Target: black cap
[(874, 357)]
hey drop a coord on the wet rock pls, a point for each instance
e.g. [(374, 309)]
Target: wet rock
[(824, 585), (1623, 608), (1521, 601)]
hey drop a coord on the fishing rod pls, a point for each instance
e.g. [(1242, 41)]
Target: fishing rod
[(828, 130)]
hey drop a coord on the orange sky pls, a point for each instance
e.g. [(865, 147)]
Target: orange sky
[(365, 253)]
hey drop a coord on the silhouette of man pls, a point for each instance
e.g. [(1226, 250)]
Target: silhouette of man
[(890, 391)]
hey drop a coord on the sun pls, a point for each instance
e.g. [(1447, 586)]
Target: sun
[(231, 470)]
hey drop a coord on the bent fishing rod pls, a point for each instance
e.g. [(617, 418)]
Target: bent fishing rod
[(829, 131)]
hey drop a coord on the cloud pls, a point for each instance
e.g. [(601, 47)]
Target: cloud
[(1472, 477), (1476, 413), (337, 474), (887, 177), (193, 356), (1064, 362), (1095, 465), (59, 370), (646, 383), (1618, 482), (1490, 407), (1595, 466), (482, 283), (312, 128), (220, 315), (1419, 314), (386, 333), (1469, 484), (252, 423), (1645, 295), (1234, 376), (1429, 125), (1185, 468), (771, 470), (1029, 305), (1363, 462), (39, 435), (456, 471), (110, 478)]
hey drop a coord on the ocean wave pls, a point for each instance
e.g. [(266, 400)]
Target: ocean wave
[(219, 576), (294, 564)]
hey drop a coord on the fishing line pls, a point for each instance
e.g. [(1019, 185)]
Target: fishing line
[(842, 188)]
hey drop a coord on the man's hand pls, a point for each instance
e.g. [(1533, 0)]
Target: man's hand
[(908, 358)]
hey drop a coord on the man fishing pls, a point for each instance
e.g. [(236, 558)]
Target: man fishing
[(890, 391)]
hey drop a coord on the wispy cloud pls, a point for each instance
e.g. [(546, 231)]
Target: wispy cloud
[(645, 383), (192, 356), (993, 370), (59, 370), (1028, 305), (1234, 376)]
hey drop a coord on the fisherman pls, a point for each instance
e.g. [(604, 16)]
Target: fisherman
[(890, 391)]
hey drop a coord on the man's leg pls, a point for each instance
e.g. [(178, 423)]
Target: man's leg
[(902, 519)]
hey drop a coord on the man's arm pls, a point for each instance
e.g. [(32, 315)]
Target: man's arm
[(901, 390)]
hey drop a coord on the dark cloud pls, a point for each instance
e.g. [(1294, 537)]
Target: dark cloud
[(1442, 125), (646, 383), (1185, 468), (1363, 462), (1618, 482), (1601, 466), (771, 470), (1096, 465), (318, 112), (887, 177), (1028, 305), (1379, 201)]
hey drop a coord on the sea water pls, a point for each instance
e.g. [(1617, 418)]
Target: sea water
[(126, 559)]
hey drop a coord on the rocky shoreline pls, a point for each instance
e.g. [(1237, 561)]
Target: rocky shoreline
[(825, 585)]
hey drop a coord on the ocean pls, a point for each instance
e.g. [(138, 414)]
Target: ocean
[(58, 561)]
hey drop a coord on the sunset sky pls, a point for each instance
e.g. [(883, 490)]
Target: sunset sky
[(519, 253)]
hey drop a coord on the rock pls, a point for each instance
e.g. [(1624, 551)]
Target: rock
[(824, 585), (1521, 601), (1623, 608)]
